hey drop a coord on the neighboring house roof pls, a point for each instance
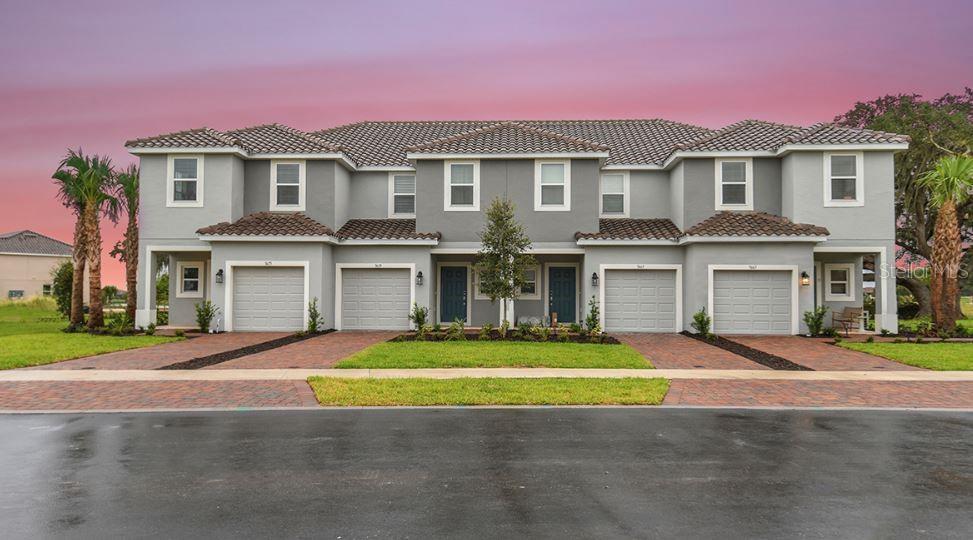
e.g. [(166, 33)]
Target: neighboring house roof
[(508, 138), (632, 229), (280, 139), (628, 142), (383, 229), (27, 242), (269, 224), (753, 224)]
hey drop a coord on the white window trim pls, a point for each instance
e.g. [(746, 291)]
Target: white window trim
[(302, 185), (171, 186), (182, 265), (448, 193), (748, 182), (566, 207), (537, 286), (228, 286), (852, 280), (622, 266), (392, 194), (625, 195), (859, 180)]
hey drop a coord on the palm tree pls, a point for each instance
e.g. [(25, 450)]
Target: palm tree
[(68, 180), (127, 250), (949, 185)]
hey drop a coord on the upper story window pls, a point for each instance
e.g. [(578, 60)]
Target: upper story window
[(839, 282), (190, 280), (614, 194), (552, 185), (402, 195), (287, 185), (734, 184), (843, 179), (462, 186), (184, 181)]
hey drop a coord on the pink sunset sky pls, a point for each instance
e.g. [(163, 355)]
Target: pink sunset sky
[(94, 74)]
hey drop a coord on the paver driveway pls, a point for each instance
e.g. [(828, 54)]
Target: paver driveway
[(675, 351), (818, 355), (168, 353), (319, 352)]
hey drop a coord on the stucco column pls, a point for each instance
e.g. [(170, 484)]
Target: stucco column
[(145, 283)]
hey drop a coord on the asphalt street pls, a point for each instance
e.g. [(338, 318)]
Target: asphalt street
[(498, 473)]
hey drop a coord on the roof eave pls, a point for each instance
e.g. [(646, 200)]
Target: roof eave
[(416, 156)]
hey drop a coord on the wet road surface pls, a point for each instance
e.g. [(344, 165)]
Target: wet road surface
[(496, 473)]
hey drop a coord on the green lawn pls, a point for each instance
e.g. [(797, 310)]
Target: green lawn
[(469, 354), (966, 304), (488, 391), (30, 335), (938, 356)]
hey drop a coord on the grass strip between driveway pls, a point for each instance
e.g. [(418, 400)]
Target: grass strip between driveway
[(490, 354), (936, 356), (488, 391)]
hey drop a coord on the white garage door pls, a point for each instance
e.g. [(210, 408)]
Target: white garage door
[(752, 302), (375, 299), (268, 298), (640, 301)]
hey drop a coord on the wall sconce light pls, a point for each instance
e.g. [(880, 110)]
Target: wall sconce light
[(805, 279), (219, 276), (419, 278), (594, 279)]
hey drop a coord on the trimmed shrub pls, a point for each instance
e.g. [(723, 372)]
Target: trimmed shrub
[(702, 323), (205, 311), (814, 320)]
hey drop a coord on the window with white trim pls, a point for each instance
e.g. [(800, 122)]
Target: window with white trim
[(462, 186), (734, 184), (839, 283), (184, 181), (614, 194), (530, 291), (46, 289), (843, 179), (190, 280), (552, 185), (402, 195), (287, 185)]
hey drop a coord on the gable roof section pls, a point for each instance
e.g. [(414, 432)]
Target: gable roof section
[(757, 135), (269, 224), (203, 137), (281, 139), (28, 242), (383, 229), (632, 229), (751, 224), (509, 138)]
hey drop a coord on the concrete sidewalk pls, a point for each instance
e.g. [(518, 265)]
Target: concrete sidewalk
[(452, 373)]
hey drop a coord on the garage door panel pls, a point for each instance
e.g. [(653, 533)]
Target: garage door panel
[(752, 302), (268, 299), (640, 300), (375, 299)]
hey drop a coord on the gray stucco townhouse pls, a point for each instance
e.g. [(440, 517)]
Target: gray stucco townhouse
[(756, 222)]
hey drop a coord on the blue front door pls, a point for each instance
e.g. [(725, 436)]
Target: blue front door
[(562, 293), (452, 300)]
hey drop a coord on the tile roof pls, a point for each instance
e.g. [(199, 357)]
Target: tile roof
[(280, 139), (632, 229), (203, 137), (383, 229), (269, 224), (508, 138), (753, 224), (31, 243), (628, 142)]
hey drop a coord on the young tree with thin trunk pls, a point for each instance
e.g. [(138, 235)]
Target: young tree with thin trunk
[(949, 186), (127, 250), (502, 260)]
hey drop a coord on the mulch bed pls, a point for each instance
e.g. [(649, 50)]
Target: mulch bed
[(226, 356), (495, 336), (770, 360)]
